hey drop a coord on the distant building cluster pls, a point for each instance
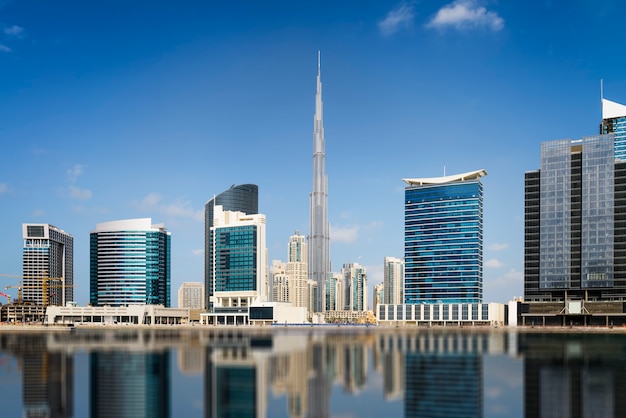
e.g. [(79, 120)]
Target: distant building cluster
[(574, 251)]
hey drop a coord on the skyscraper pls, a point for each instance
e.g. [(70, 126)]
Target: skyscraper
[(297, 269), (129, 263), (240, 259), (393, 281), (614, 122), (443, 239), (575, 229), (48, 253), (243, 198), (319, 237), (354, 287)]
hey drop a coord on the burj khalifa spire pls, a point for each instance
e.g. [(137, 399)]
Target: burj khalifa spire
[(319, 237)]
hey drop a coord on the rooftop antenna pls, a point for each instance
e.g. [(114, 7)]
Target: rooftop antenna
[(601, 89)]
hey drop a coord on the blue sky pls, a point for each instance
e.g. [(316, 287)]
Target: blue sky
[(122, 109)]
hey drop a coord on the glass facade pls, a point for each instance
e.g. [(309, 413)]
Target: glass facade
[(555, 223), (242, 198), (597, 213), (617, 127), (444, 242), (236, 258), (574, 231), (130, 266)]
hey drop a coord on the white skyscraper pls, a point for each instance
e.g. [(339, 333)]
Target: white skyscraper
[(393, 290), (48, 265), (297, 269), (319, 237), (280, 282)]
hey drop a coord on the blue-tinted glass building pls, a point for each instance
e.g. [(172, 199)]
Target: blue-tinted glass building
[(443, 239), (242, 198), (614, 122), (129, 263)]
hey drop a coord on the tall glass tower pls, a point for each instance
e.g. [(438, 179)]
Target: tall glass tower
[(319, 238), (575, 229), (443, 239), (129, 263), (48, 253), (614, 122), (242, 198)]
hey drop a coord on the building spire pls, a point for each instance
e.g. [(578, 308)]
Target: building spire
[(319, 238)]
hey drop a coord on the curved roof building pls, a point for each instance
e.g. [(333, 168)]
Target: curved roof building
[(443, 239), (129, 263)]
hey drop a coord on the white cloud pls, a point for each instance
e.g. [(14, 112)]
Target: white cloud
[(75, 172), (347, 234), (13, 30), (198, 251), (510, 279), (38, 213), (399, 18), (493, 263), (466, 14), (153, 202), (3, 188), (496, 246), (4, 48), (78, 193)]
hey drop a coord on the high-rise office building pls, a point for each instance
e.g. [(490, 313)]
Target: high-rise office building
[(335, 298), (48, 265), (393, 281), (191, 295), (575, 223), (319, 237), (354, 287), (129, 263), (298, 271), (240, 259), (614, 122), (242, 198), (443, 239)]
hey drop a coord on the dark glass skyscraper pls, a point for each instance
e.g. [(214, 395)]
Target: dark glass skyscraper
[(243, 198), (575, 223), (443, 239)]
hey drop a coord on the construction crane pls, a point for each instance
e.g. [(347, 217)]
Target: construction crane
[(45, 285), (19, 291), (6, 296)]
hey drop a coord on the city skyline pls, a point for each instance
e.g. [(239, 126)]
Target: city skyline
[(120, 111)]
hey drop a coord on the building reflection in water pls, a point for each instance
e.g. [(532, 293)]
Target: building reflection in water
[(47, 384), (439, 374), (423, 370), (573, 376), (129, 384)]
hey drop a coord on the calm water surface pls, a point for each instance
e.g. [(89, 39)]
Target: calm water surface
[(309, 372)]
